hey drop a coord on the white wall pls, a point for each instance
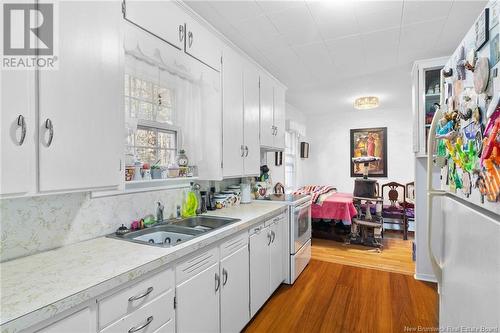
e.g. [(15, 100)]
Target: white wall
[(328, 128)]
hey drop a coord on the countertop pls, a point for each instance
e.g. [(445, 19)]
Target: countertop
[(38, 287)]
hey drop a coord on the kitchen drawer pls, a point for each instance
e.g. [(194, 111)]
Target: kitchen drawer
[(157, 312), (233, 244), (169, 327), (196, 264), (277, 218), (119, 304), (256, 229)]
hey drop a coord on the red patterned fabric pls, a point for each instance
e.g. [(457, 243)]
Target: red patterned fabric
[(337, 206), (315, 191)]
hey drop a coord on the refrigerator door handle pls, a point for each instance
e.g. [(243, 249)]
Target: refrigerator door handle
[(432, 192)]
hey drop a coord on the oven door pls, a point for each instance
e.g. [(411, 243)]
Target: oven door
[(301, 226)]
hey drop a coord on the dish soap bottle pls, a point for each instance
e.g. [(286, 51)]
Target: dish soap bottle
[(190, 204)]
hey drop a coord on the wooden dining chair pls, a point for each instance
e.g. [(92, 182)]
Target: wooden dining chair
[(394, 209)]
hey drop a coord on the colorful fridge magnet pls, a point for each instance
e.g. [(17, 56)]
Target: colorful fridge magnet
[(470, 60), (481, 75), (466, 184), (461, 64)]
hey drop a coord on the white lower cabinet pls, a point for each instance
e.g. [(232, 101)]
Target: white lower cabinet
[(276, 254), (197, 293), (82, 321), (266, 261), (234, 295), (260, 264)]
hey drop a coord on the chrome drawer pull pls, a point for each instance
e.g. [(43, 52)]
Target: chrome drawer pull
[(246, 151), (242, 149), (273, 234), (138, 328), (50, 127), (135, 298), (190, 38), (21, 123), (269, 236)]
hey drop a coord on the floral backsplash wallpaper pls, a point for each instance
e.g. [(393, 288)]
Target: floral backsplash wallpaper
[(32, 225)]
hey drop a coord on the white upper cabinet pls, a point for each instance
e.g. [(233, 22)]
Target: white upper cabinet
[(251, 120), (240, 116), (232, 106), (169, 22), (165, 19), (17, 132), (202, 44), (279, 117), (81, 104), (272, 114), (266, 112)]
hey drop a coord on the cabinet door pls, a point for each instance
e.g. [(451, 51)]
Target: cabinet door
[(232, 108), (259, 269), (83, 101), (17, 162), (251, 117), (266, 112), (276, 266), (82, 321), (279, 117), (198, 302), (163, 19), (235, 291), (202, 44)]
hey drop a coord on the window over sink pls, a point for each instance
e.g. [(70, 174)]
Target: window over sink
[(149, 108)]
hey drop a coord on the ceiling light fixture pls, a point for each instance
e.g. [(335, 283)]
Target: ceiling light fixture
[(366, 102)]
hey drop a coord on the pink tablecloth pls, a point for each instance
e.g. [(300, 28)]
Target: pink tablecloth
[(337, 206)]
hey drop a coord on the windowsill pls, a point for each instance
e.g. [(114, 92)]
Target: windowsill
[(138, 186)]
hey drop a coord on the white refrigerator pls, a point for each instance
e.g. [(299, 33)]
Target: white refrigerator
[(463, 209)]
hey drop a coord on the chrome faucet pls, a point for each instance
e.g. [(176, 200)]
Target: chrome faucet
[(159, 212)]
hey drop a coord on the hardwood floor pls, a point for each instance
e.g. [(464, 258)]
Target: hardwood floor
[(330, 297), (396, 255)]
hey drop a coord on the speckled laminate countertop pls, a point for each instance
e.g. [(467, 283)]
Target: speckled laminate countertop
[(38, 287)]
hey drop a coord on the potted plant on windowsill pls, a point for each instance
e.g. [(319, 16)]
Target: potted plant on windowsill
[(156, 171)]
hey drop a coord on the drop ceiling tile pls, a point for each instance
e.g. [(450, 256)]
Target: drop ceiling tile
[(270, 6), (334, 18), (347, 51), (381, 48), (419, 11), (315, 57), (235, 11), (261, 32), (421, 36), (378, 15)]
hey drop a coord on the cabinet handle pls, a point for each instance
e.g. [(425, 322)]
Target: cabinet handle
[(273, 234), (242, 148), (190, 38), (217, 282), (246, 151), (135, 298), (275, 130), (21, 123), (149, 320), (224, 276), (269, 237), (181, 32), (50, 127)]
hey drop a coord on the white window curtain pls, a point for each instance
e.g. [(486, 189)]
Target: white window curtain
[(187, 108)]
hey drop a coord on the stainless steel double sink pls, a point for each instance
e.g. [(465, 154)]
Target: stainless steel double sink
[(173, 232)]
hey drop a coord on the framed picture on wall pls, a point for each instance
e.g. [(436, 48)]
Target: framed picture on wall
[(481, 28), (369, 142)]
